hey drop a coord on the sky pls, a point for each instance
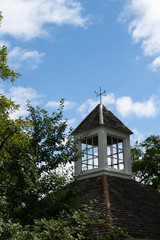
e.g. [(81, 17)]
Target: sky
[(70, 48)]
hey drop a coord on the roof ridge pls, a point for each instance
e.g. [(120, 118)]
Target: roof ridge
[(85, 118)]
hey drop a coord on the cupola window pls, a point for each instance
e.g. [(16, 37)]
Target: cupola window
[(89, 150), (115, 153)]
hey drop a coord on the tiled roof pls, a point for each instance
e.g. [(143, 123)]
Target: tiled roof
[(134, 205), (109, 119)]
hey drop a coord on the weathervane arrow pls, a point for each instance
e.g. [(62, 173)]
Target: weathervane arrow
[(100, 95)]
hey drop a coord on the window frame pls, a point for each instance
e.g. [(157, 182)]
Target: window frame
[(115, 153), (89, 153)]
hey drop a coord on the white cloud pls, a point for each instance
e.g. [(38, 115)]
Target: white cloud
[(108, 99), (4, 42), (27, 18), (20, 95), (17, 57), (155, 64), (71, 121), (143, 17), (88, 106), (126, 107), (67, 104), (137, 136)]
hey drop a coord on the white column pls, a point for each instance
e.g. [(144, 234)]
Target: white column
[(102, 146), (78, 164), (127, 155)]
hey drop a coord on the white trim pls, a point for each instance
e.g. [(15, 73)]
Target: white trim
[(99, 172), (101, 114)]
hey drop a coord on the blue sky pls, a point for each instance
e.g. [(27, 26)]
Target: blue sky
[(69, 48)]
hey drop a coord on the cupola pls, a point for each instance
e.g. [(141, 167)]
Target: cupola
[(104, 144)]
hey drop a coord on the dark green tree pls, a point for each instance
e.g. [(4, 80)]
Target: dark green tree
[(31, 150), (51, 144), (18, 173), (146, 161)]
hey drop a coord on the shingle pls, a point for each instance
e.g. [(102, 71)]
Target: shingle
[(133, 205), (109, 119)]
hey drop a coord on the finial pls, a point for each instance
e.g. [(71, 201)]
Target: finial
[(100, 95)]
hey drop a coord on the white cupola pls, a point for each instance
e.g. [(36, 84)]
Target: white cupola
[(104, 144)]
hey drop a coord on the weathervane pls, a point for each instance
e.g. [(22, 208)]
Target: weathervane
[(100, 95)]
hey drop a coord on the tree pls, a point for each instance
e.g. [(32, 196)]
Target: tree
[(5, 72), (146, 161), (51, 144), (18, 173), (31, 149), (17, 176)]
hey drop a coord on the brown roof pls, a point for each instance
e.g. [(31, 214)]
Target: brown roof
[(134, 205), (109, 119)]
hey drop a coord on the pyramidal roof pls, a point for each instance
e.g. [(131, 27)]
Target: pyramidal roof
[(100, 115)]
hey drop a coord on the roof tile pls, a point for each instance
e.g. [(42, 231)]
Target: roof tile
[(133, 205), (109, 119)]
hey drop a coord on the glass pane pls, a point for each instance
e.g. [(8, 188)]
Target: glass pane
[(121, 166), (84, 162), (83, 141), (109, 161), (114, 142), (84, 167), (96, 161), (121, 161), (89, 142), (83, 146), (95, 166), (120, 143), (95, 141), (84, 157), (120, 150), (115, 156), (109, 140), (89, 151), (114, 160), (115, 166), (90, 167), (108, 151), (114, 150), (90, 161), (95, 151), (121, 156)]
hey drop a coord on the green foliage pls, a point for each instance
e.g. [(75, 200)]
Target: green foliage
[(50, 142), (18, 173), (119, 233), (146, 161), (31, 149), (1, 17), (76, 225), (5, 72)]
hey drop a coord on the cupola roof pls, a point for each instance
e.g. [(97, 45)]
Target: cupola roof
[(100, 115)]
